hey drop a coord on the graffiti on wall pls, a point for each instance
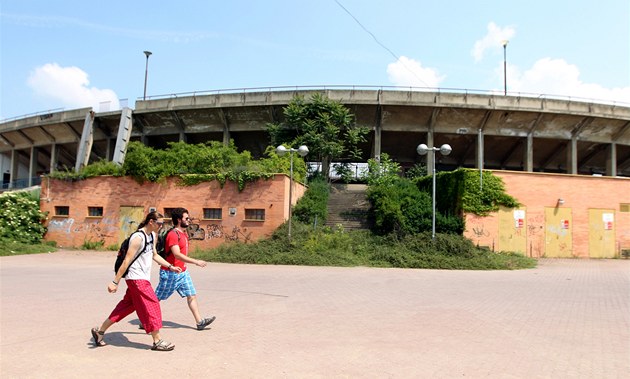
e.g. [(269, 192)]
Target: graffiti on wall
[(217, 231), (93, 230)]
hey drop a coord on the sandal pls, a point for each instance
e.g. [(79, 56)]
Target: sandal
[(98, 337), (162, 345)]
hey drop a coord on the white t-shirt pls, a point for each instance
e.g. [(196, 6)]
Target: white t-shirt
[(141, 268)]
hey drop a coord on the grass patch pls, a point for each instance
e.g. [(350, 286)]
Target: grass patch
[(8, 248), (334, 247)]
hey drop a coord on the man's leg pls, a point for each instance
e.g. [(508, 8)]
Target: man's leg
[(194, 307), (202, 323)]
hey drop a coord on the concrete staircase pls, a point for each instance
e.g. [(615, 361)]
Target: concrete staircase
[(348, 206)]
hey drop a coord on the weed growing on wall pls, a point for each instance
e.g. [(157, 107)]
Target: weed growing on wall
[(21, 219)]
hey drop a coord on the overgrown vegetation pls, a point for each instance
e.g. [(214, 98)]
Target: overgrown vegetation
[(400, 207), (334, 247), (465, 191), (311, 208), (193, 164), (21, 228)]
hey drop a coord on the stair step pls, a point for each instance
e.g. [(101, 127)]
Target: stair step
[(348, 206)]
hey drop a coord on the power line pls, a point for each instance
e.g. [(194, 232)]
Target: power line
[(380, 43)]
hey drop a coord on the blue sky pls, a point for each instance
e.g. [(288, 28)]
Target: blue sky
[(71, 54)]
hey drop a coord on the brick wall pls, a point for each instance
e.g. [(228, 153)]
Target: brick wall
[(112, 193), (538, 191)]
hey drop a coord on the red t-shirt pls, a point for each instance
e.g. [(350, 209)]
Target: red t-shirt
[(176, 237)]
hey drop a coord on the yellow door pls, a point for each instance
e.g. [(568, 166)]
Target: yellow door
[(601, 233), (512, 230), (130, 219), (558, 233)]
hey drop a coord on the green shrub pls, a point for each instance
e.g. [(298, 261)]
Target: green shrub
[(92, 245), (20, 219), (313, 205), (399, 207)]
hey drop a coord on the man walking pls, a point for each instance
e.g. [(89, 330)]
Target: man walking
[(176, 248)]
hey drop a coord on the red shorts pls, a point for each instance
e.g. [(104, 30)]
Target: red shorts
[(140, 298)]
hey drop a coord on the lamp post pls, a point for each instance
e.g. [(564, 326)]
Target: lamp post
[(423, 149), (504, 43), (146, 73), (281, 150)]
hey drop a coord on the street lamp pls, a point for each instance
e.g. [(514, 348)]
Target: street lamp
[(423, 149), (281, 150), (146, 74), (504, 43)]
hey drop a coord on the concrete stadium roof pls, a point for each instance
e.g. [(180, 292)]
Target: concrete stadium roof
[(502, 132)]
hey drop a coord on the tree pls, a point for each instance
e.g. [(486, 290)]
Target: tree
[(325, 126)]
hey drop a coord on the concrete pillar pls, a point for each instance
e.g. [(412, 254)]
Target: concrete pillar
[(32, 167), (226, 135), (124, 135), (529, 154), (14, 168), (54, 157), (377, 142), (572, 157), (611, 160), (85, 146)]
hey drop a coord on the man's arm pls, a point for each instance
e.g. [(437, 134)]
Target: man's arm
[(178, 255)]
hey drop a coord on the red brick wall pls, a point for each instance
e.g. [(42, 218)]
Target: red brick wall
[(536, 191), (113, 192)]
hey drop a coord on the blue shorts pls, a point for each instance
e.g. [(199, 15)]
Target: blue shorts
[(171, 281)]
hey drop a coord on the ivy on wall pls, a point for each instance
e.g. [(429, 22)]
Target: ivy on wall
[(193, 164), (466, 191)]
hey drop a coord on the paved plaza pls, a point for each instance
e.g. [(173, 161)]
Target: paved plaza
[(565, 319)]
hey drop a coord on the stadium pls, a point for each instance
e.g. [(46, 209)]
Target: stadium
[(531, 136)]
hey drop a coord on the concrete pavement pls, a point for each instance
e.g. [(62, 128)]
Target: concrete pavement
[(564, 319)]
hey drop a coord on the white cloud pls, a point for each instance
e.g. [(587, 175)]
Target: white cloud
[(557, 77), (408, 72), (69, 87), (492, 40)]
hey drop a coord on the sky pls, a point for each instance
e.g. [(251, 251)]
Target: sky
[(72, 54)]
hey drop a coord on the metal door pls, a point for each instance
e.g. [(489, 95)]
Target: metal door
[(130, 219), (601, 233), (558, 233), (512, 230)]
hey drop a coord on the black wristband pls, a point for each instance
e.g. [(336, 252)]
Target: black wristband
[(113, 281)]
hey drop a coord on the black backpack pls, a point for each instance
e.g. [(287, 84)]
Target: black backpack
[(122, 253), (160, 246)]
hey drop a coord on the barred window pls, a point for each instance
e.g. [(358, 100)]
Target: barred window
[(255, 214), (62, 210), (212, 213), (95, 211)]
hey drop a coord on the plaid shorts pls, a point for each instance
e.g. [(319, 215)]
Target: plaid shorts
[(171, 281)]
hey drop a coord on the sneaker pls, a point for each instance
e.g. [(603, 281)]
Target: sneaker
[(205, 322)]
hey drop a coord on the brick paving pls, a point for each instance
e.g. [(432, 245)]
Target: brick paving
[(565, 319)]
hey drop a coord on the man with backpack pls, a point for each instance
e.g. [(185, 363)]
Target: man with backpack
[(176, 253)]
